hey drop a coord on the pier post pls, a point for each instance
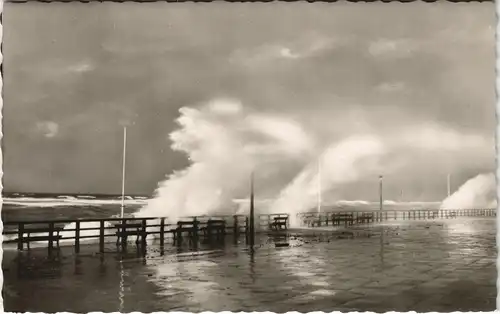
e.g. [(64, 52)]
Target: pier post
[(20, 231), (144, 233), (179, 233), (247, 230), (195, 231), (236, 228), (77, 236), (101, 236), (51, 233), (162, 233)]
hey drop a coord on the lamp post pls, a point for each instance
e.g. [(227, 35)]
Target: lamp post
[(123, 169), (252, 213), (380, 187), (448, 184), (319, 185)]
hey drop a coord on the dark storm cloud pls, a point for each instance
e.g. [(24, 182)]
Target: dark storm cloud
[(74, 73)]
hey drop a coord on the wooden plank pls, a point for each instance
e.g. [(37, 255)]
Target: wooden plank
[(137, 225), (41, 238), (42, 230)]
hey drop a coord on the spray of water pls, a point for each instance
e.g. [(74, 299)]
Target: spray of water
[(224, 144), (340, 163), (478, 192)]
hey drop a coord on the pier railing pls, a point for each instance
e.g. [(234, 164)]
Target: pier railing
[(77, 231), (332, 217)]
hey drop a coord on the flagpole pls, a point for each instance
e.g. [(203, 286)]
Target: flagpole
[(380, 192), (123, 168), (319, 185), (448, 184), (252, 212)]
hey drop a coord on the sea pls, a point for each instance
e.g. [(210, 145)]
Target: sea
[(36, 206), (33, 206)]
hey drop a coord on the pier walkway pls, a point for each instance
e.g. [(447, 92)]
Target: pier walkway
[(440, 265), (53, 233)]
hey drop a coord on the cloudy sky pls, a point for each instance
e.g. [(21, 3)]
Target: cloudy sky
[(419, 76)]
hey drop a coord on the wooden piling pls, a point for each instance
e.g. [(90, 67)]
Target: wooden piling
[(247, 231), (162, 233), (101, 236), (196, 223), (236, 228), (20, 231), (178, 233), (123, 236), (144, 233), (51, 234), (77, 237)]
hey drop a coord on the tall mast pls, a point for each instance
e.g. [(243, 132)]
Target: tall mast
[(123, 168), (319, 185), (252, 212), (380, 189), (448, 184)]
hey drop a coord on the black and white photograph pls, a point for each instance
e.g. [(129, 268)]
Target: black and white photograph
[(279, 156)]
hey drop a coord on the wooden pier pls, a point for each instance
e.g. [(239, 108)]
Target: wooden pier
[(348, 218), (213, 229), (193, 229)]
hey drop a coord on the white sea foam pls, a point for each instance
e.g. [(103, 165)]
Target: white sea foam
[(478, 193), (70, 202)]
